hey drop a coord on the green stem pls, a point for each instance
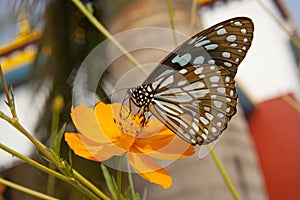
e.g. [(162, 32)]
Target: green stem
[(223, 173), (106, 33), (193, 15), (48, 171), (119, 176), (34, 163), (26, 190), (130, 181), (54, 128), (44, 151), (10, 102), (89, 185), (171, 15)]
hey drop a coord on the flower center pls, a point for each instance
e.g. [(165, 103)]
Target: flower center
[(131, 125)]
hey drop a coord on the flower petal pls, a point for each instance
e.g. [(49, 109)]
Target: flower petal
[(105, 116), (86, 122), (86, 148), (149, 169), (164, 145), (153, 127)]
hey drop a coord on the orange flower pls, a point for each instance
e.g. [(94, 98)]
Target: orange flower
[(108, 130)]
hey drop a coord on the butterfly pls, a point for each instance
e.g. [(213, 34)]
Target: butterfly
[(192, 91)]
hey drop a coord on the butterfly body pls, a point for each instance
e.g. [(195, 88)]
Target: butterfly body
[(192, 91)]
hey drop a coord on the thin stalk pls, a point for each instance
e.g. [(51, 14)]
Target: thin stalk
[(89, 185), (293, 38), (26, 190), (171, 15), (34, 163), (291, 102), (4, 85), (43, 150), (49, 171), (223, 173), (119, 176), (193, 15), (106, 33), (10, 101), (130, 181), (57, 106)]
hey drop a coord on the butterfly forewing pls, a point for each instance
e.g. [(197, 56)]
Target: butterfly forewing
[(193, 89), (224, 44)]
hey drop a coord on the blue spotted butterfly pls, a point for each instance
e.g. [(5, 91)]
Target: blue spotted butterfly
[(192, 91)]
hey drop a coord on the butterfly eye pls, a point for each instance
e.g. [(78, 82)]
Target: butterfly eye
[(193, 89)]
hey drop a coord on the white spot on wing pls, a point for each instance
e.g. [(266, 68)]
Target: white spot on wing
[(214, 79), (194, 86), (183, 82), (204, 136), (221, 115), (238, 23), (221, 31), (231, 38), (199, 60), (243, 30), (218, 104), (182, 60), (219, 124), (211, 47), (199, 93), (213, 129), (195, 126), (226, 54), (202, 43), (212, 62), (206, 108), (166, 82), (183, 71), (163, 105), (155, 83), (209, 116), (193, 40), (204, 121), (198, 70), (227, 64), (221, 90)]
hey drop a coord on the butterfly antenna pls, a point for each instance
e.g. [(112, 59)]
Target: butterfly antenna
[(124, 107)]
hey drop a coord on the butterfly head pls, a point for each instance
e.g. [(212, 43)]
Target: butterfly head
[(142, 95)]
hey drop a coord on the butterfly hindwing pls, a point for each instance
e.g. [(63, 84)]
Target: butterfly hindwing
[(194, 105)]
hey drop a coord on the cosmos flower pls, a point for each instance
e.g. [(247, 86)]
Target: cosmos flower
[(108, 130)]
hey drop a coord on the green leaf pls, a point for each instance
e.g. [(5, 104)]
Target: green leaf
[(111, 184), (58, 138), (145, 194)]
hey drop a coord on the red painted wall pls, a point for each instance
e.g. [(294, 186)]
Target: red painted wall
[(275, 127)]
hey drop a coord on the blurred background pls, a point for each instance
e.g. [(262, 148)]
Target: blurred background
[(43, 43)]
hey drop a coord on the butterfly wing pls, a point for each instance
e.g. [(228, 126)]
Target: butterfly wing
[(224, 44), (195, 103), (195, 94)]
